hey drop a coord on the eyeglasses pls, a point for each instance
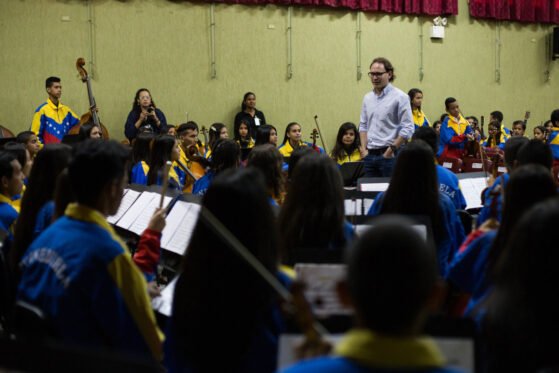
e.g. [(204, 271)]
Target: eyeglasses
[(378, 75)]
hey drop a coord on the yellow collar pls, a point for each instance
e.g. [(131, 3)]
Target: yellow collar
[(4, 199), (370, 349), (87, 214)]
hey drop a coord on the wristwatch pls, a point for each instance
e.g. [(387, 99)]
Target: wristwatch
[(393, 148)]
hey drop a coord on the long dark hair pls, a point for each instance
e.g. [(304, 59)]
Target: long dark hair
[(85, 131), (48, 164), (528, 185), (219, 299), (225, 155), (497, 141), (135, 105), (263, 134), (285, 138), (268, 160), (415, 162), (340, 150), (142, 147), (312, 215), (522, 310), (243, 105), (412, 92), (160, 154), (237, 125), (215, 133)]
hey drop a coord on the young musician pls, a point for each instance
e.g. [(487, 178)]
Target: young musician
[(254, 117), (539, 133), (266, 134), (221, 303), (311, 221), (226, 155), (79, 273), (416, 99), (165, 148), (495, 140), (22, 155), (90, 131), (31, 142), (292, 140), (242, 136), (269, 161), (414, 163), (553, 135), (37, 205), (518, 128), (11, 183), (347, 148), (190, 155), (498, 116), (392, 284), (144, 115), (217, 131), (52, 119), (455, 131), (141, 153)]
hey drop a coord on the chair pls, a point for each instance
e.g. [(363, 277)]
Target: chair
[(453, 164), (476, 165)]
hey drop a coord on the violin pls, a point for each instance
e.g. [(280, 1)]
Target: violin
[(193, 154), (320, 134), (526, 117), (314, 136), (91, 116)]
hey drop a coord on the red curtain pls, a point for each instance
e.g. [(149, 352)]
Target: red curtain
[(415, 7), (540, 11)]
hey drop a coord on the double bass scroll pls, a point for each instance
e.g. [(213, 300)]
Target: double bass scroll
[(91, 115)]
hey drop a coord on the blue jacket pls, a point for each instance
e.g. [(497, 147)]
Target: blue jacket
[(485, 212), (80, 274), (44, 218), (51, 123), (139, 173), (448, 184), (453, 231), (468, 270), (202, 184)]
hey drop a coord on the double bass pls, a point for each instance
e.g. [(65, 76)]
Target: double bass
[(91, 116)]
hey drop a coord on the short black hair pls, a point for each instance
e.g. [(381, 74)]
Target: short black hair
[(535, 152), (23, 137), (183, 127), (391, 274), (521, 122), (497, 115), (554, 117), (51, 80), (447, 102), (18, 150), (428, 135), (95, 164), (6, 168)]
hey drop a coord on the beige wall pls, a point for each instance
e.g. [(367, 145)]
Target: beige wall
[(165, 46)]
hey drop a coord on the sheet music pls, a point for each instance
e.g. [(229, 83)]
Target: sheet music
[(137, 217), (321, 281), (472, 188), (127, 200), (374, 187), (181, 222), (367, 202), (164, 302), (419, 228), (353, 207)]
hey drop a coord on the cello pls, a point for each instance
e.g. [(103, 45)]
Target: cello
[(91, 116)]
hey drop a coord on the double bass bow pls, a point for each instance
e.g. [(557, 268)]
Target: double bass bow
[(91, 116)]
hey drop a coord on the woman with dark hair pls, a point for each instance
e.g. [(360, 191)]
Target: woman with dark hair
[(266, 134), (292, 140), (227, 155), (416, 99), (472, 268), (90, 131), (144, 116), (242, 135), (220, 302), (165, 148), (255, 118), (415, 162), (141, 151), (347, 144), (37, 206), (269, 161), (312, 223), (217, 131), (521, 321)]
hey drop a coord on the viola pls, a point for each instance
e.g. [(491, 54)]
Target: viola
[(91, 116)]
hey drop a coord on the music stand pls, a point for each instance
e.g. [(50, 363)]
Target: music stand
[(351, 171)]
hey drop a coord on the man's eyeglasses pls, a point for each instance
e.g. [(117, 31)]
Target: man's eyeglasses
[(378, 75)]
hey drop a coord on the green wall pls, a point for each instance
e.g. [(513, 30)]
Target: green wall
[(165, 46)]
